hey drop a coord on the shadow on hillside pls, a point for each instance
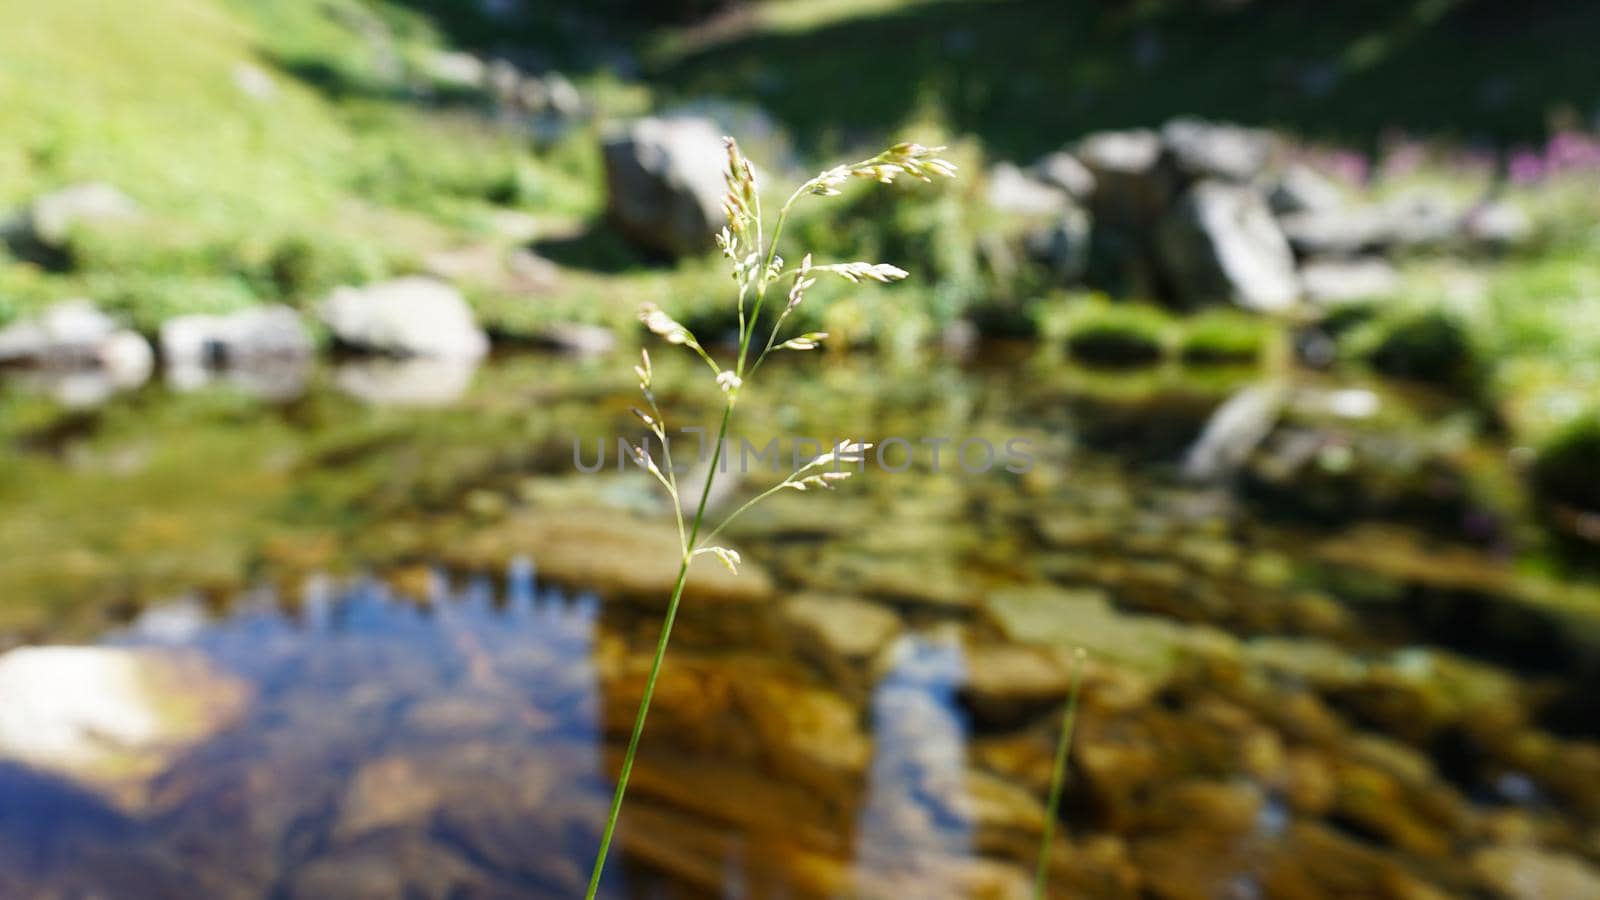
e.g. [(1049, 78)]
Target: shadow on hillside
[(596, 248), (1027, 75)]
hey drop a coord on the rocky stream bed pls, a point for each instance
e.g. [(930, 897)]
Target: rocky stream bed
[(1323, 670)]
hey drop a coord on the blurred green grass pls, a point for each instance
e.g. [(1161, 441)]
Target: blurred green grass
[(358, 165)]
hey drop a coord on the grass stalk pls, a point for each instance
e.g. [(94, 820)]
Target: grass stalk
[(655, 664), (756, 267), (1058, 779)]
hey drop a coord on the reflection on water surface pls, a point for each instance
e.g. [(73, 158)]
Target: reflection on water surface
[(1317, 674)]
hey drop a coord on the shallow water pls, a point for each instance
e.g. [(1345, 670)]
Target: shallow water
[(1340, 674)]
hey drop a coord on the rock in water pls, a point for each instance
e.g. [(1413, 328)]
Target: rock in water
[(248, 336), (69, 333), (1521, 872), (81, 348), (419, 382), (840, 633), (111, 718), (412, 316), (664, 183), (1222, 244), (1234, 431)]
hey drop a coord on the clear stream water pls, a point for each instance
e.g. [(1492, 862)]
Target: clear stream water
[(1337, 674)]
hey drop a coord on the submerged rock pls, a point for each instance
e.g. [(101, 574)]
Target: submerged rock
[(1234, 432), (111, 718), (611, 552), (258, 335), (398, 865), (664, 183), (1067, 619), (1522, 872), (421, 382), (1005, 684), (742, 713), (841, 633)]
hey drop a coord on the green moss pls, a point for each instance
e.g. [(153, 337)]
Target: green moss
[(1117, 334), (1224, 336)]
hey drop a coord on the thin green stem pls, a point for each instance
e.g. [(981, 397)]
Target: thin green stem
[(1058, 779), (749, 503), (660, 430), (655, 664)]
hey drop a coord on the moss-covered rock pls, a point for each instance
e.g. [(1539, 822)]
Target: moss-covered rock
[(1224, 336), (1106, 334), (1431, 347), (1565, 481)]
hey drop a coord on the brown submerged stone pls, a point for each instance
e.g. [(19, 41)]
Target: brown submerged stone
[(606, 551)]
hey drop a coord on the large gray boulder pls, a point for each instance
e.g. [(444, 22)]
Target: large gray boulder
[(1130, 191), (1195, 149), (256, 335), (664, 183), (1011, 190), (1221, 244), (413, 316), (1066, 172)]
